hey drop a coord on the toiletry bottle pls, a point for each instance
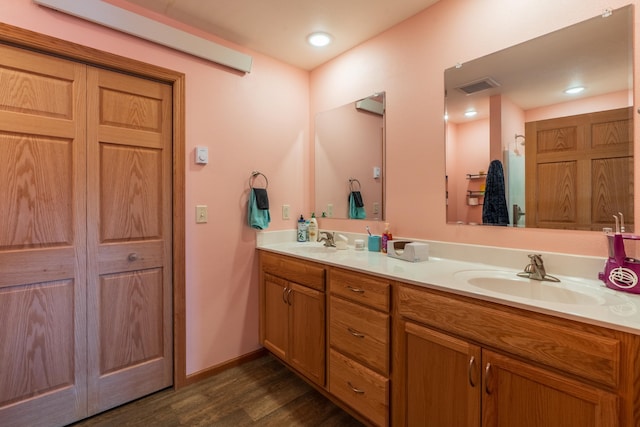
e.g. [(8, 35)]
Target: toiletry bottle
[(313, 228), (302, 230), (386, 236)]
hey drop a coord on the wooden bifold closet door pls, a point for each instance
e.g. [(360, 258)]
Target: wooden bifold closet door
[(85, 238)]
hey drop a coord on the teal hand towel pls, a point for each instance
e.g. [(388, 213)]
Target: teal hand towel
[(258, 218), (355, 211)]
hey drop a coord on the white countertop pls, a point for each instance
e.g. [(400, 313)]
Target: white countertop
[(604, 307)]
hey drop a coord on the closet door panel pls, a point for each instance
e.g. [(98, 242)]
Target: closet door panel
[(129, 238), (130, 191), (42, 239)]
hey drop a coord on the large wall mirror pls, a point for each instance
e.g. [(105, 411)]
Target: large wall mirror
[(556, 112), (349, 160)]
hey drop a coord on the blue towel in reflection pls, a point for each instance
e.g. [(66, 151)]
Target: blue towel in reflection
[(258, 215), (356, 206), (494, 210)]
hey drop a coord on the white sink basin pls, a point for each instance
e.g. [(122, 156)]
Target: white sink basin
[(565, 292), (313, 248)]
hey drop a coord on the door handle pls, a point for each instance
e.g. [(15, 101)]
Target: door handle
[(487, 372), (355, 333), (472, 363), (354, 389)]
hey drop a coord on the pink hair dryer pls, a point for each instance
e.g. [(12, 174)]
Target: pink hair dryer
[(620, 272)]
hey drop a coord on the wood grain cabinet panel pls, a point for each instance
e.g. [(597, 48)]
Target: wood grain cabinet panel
[(441, 379), (363, 289), (563, 347), (451, 382), (516, 368), (519, 394), (298, 271), (440, 359), (364, 390), (359, 342), (360, 332), (292, 316)]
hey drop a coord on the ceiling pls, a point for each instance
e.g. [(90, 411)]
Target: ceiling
[(279, 28), (596, 53)]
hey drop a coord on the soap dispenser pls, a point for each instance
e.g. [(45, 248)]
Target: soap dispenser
[(302, 229), (313, 228)]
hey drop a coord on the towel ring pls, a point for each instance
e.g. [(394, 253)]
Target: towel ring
[(351, 184), (253, 177)]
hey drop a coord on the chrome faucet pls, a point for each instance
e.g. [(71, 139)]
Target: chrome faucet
[(328, 239), (535, 270)]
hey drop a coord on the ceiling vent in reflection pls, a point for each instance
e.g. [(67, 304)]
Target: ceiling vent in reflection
[(478, 85)]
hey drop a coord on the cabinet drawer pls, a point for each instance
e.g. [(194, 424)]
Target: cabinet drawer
[(587, 355), (302, 272), (368, 290), (360, 332), (359, 387)]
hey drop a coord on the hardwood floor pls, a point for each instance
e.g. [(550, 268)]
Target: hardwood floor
[(259, 393)]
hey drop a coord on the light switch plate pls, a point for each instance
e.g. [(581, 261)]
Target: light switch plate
[(201, 214), (202, 155)]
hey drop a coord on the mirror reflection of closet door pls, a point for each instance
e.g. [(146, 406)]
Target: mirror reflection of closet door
[(579, 170)]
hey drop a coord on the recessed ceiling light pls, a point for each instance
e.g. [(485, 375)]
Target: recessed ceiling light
[(574, 90), (470, 113), (319, 39)]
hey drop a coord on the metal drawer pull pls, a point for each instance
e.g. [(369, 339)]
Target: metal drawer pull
[(355, 333), (356, 290), (472, 362), (133, 256), (355, 390), (284, 295), (289, 296), (487, 371)]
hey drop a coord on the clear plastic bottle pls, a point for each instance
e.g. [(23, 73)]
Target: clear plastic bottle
[(313, 228)]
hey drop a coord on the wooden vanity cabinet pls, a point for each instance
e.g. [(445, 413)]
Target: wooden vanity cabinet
[(404, 355), (456, 383), (292, 313), (464, 363), (359, 343)]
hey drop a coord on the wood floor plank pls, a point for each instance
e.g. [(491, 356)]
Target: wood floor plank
[(262, 392)]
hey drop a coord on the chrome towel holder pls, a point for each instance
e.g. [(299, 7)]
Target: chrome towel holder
[(352, 181), (256, 174)]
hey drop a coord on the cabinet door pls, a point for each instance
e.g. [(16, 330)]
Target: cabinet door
[(519, 394), (442, 377), (307, 332), (276, 316)]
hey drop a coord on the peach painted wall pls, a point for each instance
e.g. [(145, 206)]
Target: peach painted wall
[(609, 101), (258, 121), (471, 157), (348, 144), (408, 62)]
